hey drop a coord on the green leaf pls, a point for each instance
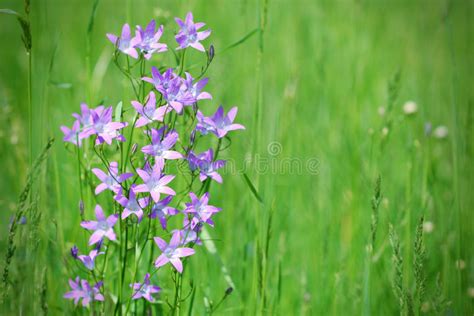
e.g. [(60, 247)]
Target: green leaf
[(252, 188), (10, 12), (118, 112), (240, 41)]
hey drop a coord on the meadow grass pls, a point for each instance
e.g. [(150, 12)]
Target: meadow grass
[(307, 228)]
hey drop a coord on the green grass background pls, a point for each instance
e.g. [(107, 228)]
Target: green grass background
[(311, 80)]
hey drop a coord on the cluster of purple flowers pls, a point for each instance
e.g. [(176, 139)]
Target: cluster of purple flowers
[(146, 193)]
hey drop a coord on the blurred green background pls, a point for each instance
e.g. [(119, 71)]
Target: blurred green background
[(320, 86)]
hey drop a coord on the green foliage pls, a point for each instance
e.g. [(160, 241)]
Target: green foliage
[(310, 75)]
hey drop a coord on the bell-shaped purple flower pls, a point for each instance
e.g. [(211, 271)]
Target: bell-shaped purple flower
[(147, 39), (160, 146), (85, 118), (71, 135), (195, 88), (110, 180), (201, 210), (145, 289), (81, 289), (160, 81), (206, 165), (132, 205), (149, 112), (125, 43), (162, 211), (172, 252), (89, 260), (155, 182), (104, 128), (103, 227), (225, 123), (188, 34)]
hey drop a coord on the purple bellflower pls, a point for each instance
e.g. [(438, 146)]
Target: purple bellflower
[(81, 289), (187, 234), (85, 118), (161, 210), (206, 165), (160, 149), (89, 260), (224, 123), (205, 125), (132, 205), (160, 81), (71, 135), (110, 180), (103, 126), (103, 227), (188, 34), (149, 112), (177, 96), (201, 210), (172, 252), (155, 183), (147, 40), (126, 44), (195, 88), (145, 289)]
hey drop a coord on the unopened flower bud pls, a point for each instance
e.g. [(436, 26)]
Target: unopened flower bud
[(74, 251), (81, 207), (211, 53), (229, 290)]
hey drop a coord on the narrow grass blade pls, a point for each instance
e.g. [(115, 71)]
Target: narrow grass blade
[(252, 188), (240, 41)]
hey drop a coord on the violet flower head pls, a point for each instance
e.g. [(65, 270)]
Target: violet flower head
[(103, 126), (225, 123), (132, 205), (147, 40), (149, 112), (195, 89), (85, 118), (103, 227), (155, 183), (188, 34), (177, 96), (160, 81), (110, 180), (206, 165), (201, 210), (187, 234), (162, 211), (81, 289), (205, 125), (172, 252), (125, 43), (71, 135), (89, 260), (161, 149), (145, 289)]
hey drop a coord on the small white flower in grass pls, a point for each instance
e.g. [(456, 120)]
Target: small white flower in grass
[(410, 107), (384, 131), (440, 132), (428, 227)]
